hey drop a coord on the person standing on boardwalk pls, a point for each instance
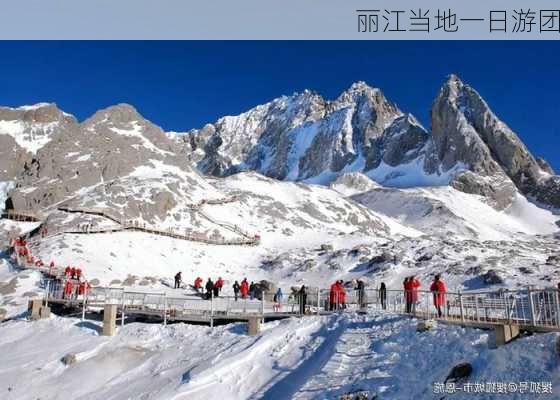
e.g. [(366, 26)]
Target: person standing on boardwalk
[(178, 280), (302, 298), (333, 297), (209, 289), (236, 289), (198, 284), (414, 284), (252, 290), (383, 295), (407, 296), (361, 292), (438, 290), (220, 284), (244, 288), (278, 297), (342, 294)]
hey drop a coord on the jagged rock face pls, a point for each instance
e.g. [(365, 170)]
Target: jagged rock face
[(458, 142), (403, 141), (352, 183), (466, 131), (12, 158), (302, 136), (545, 166), (110, 145), (24, 130)]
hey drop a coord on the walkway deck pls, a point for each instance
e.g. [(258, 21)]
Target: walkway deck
[(532, 310), (246, 238)]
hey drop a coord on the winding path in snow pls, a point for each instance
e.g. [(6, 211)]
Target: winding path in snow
[(247, 239)]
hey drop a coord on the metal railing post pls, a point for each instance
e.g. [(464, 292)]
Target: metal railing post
[(212, 309), (476, 307), (262, 304), (122, 311), (461, 306), (84, 305), (532, 307), (508, 308), (47, 292), (165, 309), (558, 308)]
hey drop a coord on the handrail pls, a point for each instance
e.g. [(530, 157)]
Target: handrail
[(251, 240)]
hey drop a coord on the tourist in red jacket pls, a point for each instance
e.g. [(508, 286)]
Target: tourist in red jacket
[(414, 284), (68, 289), (438, 290), (219, 284), (244, 289), (198, 284), (68, 272), (334, 294), (342, 294)]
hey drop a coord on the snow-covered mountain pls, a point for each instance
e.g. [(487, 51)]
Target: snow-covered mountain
[(304, 137), (355, 177)]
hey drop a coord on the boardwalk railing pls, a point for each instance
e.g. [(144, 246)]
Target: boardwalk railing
[(530, 308), (533, 309), (23, 216), (246, 239)]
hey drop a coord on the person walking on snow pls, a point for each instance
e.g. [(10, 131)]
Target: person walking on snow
[(438, 290), (209, 289), (177, 280), (383, 295), (236, 288), (244, 288)]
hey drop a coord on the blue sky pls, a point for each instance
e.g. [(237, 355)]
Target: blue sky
[(182, 85)]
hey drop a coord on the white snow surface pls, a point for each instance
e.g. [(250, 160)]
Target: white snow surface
[(5, 187), (309, 358), (31, 137), (445, 210)]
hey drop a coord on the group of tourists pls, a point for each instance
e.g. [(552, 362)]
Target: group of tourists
[(411, 286), (244, 290), (67, 284), (337, 299), (211, 288)]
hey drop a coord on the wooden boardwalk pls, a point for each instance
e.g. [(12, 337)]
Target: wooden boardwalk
[(246, 238), (23, 216)]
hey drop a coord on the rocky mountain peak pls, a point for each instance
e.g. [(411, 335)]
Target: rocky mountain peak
[(41, 113), (467, 132), (118, 115)]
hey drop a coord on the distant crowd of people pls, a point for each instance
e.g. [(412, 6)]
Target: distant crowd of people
[(69, 285), (337, 299)]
